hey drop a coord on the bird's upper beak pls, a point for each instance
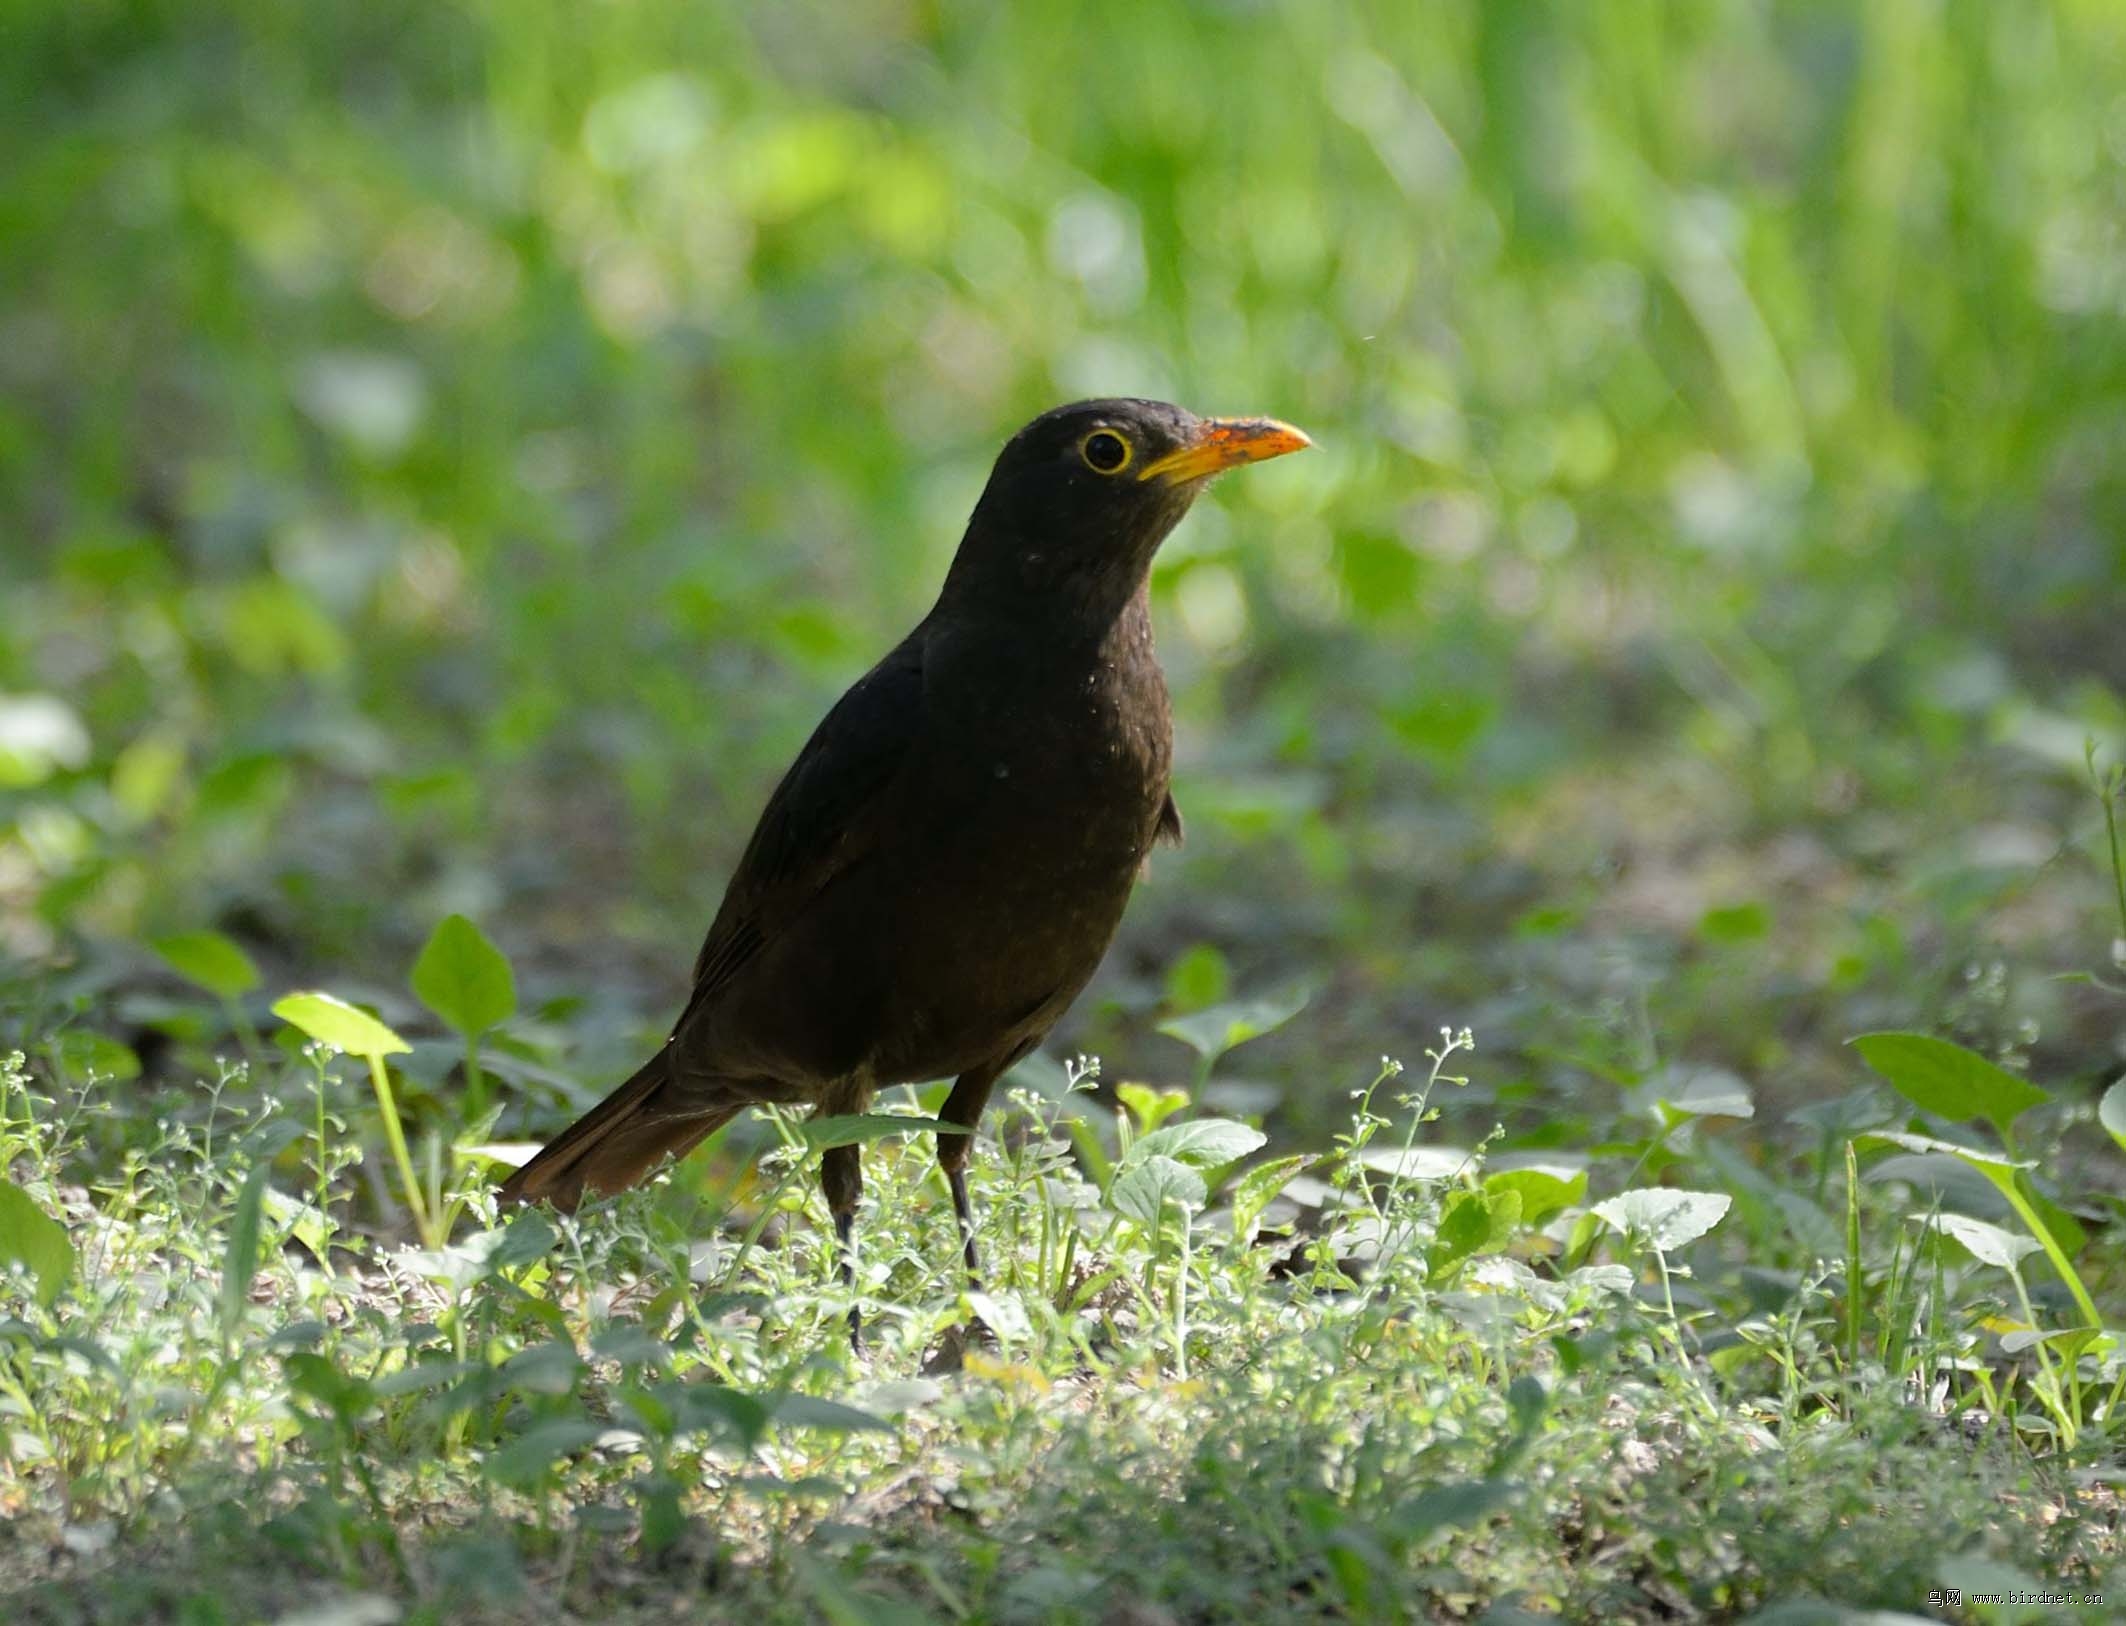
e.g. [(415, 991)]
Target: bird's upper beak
[(1224, 443)]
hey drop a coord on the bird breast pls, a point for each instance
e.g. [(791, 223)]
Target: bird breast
[(1071, 746)]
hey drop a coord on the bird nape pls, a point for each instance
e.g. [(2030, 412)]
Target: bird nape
[(943, 866)]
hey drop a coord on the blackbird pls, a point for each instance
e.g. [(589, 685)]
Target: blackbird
[(942, 868)]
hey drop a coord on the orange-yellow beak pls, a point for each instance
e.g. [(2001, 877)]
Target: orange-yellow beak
[(1225, 443)]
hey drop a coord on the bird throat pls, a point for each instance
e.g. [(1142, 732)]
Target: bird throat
[(1058, 581)]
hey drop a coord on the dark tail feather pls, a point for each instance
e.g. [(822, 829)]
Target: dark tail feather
[(614, 1144)]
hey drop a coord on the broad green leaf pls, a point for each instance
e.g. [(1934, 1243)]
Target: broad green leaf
[(810, 1411), (1464, 1223), (458, 1265), (1142, 1190), (1943, 1166), (664, 1518), (530, 1237), (1546, 922), (1944, 1078), (464, 978), (2111, 1112), (1473, 1222), (2066, 1230), (145, 773), (1664, 1219), (425, 1377), (1002, 1314), (316, 1377), (305, 1334), (1527, 1400), (1971, 1573), (300, 1219), (1543, 1191), (84, 1053), (1807, 1224), (1148, 1106), (33, 1239), (1213, 1032), (811, 1487), (1993, 1165), (1448, 1507), (629, 1344), (2069, 1341), (211, 961), (1988, 1243), (651, 1411), (856, 1128), (1947, 1180), (1846, 1115), (531, 1456), (240, 1260), (1198, 978), (1257, 1188), (1735, 923), (715, 1408), (549, 1368), (1504, 1208), (1701, 1092), (1592, 1282), (1201, 1142), (331, 1020)]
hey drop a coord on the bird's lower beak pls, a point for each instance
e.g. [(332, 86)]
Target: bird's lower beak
[(1225, 443)]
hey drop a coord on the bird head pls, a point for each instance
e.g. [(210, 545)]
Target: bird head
[(1081, 498)]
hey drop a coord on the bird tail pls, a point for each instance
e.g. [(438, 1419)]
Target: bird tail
[(615, 1144)]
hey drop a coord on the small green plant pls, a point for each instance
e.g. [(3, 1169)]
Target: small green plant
[(535, 1407), (31, 1240), (1951, 1082), (214, 962), (467, 982), (333, 1022), (1223, 1028)]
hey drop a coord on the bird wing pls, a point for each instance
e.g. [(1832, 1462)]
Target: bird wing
[(820, 819)]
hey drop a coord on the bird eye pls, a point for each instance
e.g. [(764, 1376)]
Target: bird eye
[(1105, 451)]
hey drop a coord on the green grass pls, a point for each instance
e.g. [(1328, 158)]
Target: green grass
[(1356, 1407)]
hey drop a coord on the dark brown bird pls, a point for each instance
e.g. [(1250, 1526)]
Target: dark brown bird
[(944, 865)]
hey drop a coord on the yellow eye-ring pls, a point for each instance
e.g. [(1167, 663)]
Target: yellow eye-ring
[(1105, 452)]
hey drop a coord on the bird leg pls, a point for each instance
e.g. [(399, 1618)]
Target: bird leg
[(841, 1176), (970, 1094), (963, 1210)]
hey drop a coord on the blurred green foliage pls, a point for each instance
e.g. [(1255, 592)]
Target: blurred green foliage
[(450, 454)]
